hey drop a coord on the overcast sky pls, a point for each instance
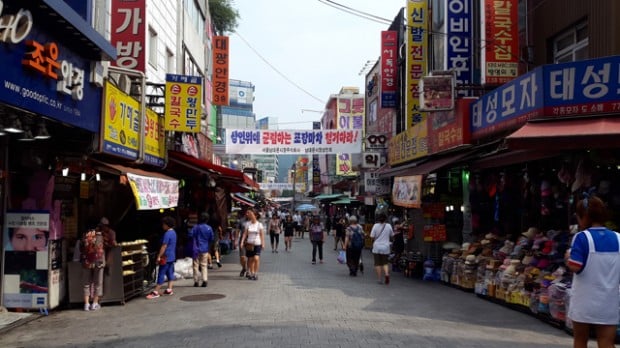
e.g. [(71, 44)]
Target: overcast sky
[(317, 47)]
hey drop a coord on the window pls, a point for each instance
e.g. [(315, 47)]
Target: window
[(571, 45), (153, 48), (170, 65)]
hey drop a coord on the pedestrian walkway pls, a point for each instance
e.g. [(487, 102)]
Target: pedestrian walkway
[(295, 304)]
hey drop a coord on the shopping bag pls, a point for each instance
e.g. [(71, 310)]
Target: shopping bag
[(342, 257)]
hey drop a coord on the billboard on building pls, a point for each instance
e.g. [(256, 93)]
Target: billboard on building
[(128, 33), (293, 142), (407, 191), (220, 70), (350, 116), (183, 103), (499, 31), (417, 46)]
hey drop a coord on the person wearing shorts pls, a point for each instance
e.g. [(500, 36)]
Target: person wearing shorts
[(289, 232), (166, 258), (381, 233), (253, 241)]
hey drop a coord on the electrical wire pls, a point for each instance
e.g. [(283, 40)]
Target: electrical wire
[(355, 12), (278, 71)]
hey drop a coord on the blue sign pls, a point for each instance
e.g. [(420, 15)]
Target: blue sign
[(69, 98), (388, 100), (458, 41)]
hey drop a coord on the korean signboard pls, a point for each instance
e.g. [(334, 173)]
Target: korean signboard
[(375, 185), (389, 68), (409, 145), (154, 193), (350, 115), (417, 45), (499, 35), (437, 93), (128, 33), (183, 103), (293, 142), (449, 129), (458, 43), (220, 70), (121, 128), (42, 75), (407, 191)]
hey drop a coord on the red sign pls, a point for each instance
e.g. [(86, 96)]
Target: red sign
[(389, 68), (449, 129), (220, 70), (434, 210), (435, 233), (500, 41), (128, 33)]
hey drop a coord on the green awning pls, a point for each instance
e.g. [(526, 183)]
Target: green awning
[(345, 200), (330, 196)]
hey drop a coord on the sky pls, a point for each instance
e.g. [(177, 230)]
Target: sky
[(316, 46)]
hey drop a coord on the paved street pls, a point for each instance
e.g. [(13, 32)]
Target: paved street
[(295, 304)]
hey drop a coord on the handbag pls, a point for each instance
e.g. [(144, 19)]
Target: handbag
[(163, 260), (249, 247)]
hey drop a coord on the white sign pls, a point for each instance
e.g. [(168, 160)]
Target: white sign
[(15, 28), (294, 142), (372, 160), (154, 193), (278, 186)]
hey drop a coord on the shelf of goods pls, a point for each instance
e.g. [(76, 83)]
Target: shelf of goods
[(133, 255)]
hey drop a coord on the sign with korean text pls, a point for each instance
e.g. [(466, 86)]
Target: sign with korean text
[(153, 193), (449, 129), (42, 75), (389, 68), (376, 141), (417, 46), (458, 43), (436, 92), (435, 233), (183, 103), (278, 186), (499, 35), (128, 33), (220, 70), (409, 145), (293, 142), (121, 128), (373, 160), (407, 191), (349, 115)]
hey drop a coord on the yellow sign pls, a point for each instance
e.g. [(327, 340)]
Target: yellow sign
[(417, 47), (409, 145), (350, 115), (121, 128), (183, 103)]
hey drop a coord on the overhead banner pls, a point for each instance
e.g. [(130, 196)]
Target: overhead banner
[(500, 41), (121, 128), (128, 33), (417, 45), (407, 191), (293, 142), (183, 103), (220, 70), (389, 68), (350, 115), (278, 186), (154, 193)]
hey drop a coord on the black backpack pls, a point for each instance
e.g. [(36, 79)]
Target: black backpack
[(357, 241)]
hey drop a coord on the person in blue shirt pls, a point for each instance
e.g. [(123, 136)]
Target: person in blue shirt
[(202, 237), (166, 258)]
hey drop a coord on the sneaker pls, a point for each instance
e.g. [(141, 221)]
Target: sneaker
[(314, 262), (95, 306), (204, 284), (168, 292), (219, 264), (195, 284), (210, 267), (86, 307), (242, 273), (254, 277), (248, 275), (152, 295), (387, 279)]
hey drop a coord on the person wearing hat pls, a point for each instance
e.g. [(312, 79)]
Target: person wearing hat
[(317, 236), (109, 240), (594, 258)]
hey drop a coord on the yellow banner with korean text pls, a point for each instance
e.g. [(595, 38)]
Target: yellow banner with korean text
[(409, 145), (183, 103), (350, 115), (416, 65)]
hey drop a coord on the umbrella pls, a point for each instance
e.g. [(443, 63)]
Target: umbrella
[(306, 207)]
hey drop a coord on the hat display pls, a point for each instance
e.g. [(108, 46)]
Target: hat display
[(490, 236), (530, 233), (449, 246), (470, 259), (465, 246)]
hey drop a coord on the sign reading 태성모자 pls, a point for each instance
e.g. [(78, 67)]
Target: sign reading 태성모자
[(154, 193), (183, 103), (293, 142)]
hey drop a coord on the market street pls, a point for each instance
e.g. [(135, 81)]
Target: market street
[(295, 304)]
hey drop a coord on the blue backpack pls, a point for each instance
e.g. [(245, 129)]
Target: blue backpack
[(357, 241)]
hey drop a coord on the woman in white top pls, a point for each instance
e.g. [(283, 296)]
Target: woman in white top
[(381, 234), (254, 241)]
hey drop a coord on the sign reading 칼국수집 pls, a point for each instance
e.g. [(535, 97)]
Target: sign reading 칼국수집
[(293, 142), (183, 103)]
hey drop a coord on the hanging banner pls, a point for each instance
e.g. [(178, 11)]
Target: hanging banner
[(128, 33), (293, 142), (499, 30), (350, 115), (154, 193), (407, 191), (220, 70), (417, 45), (389, 68), (183, 103)]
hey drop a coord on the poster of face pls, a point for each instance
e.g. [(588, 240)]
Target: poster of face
[(407, 190), (26, 231)]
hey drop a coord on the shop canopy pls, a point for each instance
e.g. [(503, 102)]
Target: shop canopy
[(426, 166), (240, 198), (328, 196), (152, 190), (576, 133), (342, 201)]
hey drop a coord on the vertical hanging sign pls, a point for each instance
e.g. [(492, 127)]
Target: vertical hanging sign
[(417, 45), (499, 34), (458, 41), (220, 70), (389, 68), (128, 33), (350, 116), (183, 103)]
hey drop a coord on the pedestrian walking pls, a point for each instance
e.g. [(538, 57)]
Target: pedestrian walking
[(239, 232), (381, 233), (254, 242), (339, 236), (353, 244), (306, 225), (92, 257), (166, 258), (594, 257), (214, 247), (274, 227), (317, 236), (289, 231), (201, 236)]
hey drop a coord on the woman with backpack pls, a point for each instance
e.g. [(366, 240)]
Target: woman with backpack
[(353, 244)]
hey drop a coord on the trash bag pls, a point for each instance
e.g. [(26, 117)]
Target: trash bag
[(342, 257)]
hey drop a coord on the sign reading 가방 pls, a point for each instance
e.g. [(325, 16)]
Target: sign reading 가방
[(294, 142), (154, 193)]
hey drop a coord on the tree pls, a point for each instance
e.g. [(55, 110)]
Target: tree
[(224, 16)]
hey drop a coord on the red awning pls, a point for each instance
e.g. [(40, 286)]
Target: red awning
[(241, 200), (576, 133), (204, 166)]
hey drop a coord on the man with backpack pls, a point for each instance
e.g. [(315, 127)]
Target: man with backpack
[(353, 244)]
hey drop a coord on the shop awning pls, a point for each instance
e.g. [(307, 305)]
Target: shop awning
[(328, 196), (242, 199), (506, 158), (152, 190), (427, 166), (576, 133), (342, 201)]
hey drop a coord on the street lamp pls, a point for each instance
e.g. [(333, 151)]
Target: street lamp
[(294, 172)]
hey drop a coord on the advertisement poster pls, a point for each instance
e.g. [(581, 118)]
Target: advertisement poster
[(183, 103), (154, 193), (26, 259), (350, 115), (407, 191)]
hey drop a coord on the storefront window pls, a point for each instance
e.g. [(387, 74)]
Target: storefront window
[(571, 45)]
